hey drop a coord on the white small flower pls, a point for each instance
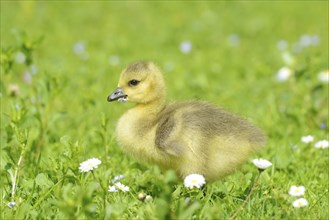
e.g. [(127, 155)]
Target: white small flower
[(309, 40), (79, 47), (20, 57), (117, 178), (282, 44), (11, 204), (283, 74), (33, 69), (27, 77), (233, 40), (324, 76), (261, 163), (89, 164), (185, 47), (315, 40), (305, 40), (300, 203), (307, 139), (114, 60), (297, 190), (323, 125), (322, 144), (112, 189), (122, 187), (194, 181)]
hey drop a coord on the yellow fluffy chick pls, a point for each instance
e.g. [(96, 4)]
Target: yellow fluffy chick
[(189, 137)]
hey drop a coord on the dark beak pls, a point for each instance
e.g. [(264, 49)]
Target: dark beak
[(117, 94)]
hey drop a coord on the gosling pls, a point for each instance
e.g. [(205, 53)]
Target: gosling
[(188, 137)]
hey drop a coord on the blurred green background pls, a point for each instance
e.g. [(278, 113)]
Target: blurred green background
[(225, 52), (234, 46)]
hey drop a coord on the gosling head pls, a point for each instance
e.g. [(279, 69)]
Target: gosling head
[(141, 82)]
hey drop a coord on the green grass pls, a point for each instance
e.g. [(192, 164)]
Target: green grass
[(61, 118)]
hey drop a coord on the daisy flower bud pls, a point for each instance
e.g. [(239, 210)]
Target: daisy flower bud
[(148, 198), (141, 196)]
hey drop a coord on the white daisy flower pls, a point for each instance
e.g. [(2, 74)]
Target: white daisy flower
[(122, 187), (20, 57), (322, 144), (297, 190), (89, 164), (324, 76), (185, 47), (300, 203), (283, 74), (307, 139), (112, 189), (262, 164), (194, 181)]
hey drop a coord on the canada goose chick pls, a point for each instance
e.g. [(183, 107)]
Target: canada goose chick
[(189, 137)]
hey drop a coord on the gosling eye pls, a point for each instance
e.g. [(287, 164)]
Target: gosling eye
[(133, 82)]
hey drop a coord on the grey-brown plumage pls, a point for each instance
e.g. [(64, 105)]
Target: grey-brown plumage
[(189, 137), (207, 120)]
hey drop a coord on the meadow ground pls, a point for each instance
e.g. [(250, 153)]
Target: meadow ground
[(266, 61)]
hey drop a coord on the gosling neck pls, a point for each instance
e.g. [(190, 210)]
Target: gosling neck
[(151, 108)]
